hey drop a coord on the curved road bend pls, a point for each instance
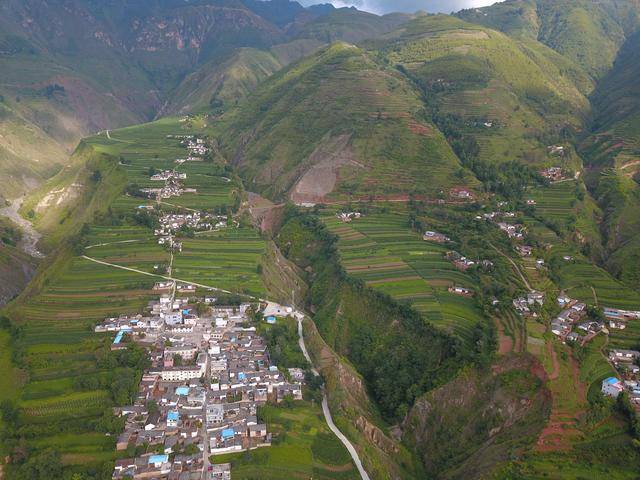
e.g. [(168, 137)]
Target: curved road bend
[(514, 264), (299, 316), (325, 407)]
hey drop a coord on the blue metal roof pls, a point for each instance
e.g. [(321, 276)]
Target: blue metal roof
[(158, 458), (173, 415), (182, 391), (118, 337)]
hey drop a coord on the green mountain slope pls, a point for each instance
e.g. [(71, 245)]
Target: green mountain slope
[(337, 124), (70, 69), (613, 153), (215, 85), (510, 99), (588, 33)]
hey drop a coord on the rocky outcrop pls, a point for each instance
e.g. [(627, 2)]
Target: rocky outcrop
[(482, 417)]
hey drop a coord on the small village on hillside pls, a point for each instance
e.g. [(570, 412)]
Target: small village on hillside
[(209, 374), (576, 323)]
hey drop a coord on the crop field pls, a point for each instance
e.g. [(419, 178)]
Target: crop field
[(555, 202), (59, 348), (10, 378), (595, 368), (304, 448), (146, 147), (226, 259), (381, 250)]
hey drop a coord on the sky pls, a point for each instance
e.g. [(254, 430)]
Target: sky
[(409, 6)]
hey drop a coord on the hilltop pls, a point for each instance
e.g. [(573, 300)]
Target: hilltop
[(335, 124)]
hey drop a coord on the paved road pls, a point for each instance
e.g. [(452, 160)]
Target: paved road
[(325, 408)]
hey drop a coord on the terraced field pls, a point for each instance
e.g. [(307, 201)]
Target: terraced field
[(68, 384), (555, 202), (59, 350), (227, 259), (305, 449), (381, 250)]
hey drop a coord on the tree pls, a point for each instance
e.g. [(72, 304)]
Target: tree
[(96, 176), (42, 466)]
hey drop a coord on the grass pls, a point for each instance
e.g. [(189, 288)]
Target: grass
[(303, 447)]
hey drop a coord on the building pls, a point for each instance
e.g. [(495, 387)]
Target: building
[(431, 236), (612, 387), (620, 355), (180, 374), (215, 413)]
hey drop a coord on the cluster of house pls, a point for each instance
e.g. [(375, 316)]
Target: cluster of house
[(552, 173), (346, 217), (172, 187), (556, 150), (461, 193), (493, 215), (196, 146), (431, 236), (165, 175), (523, 304), (626, 363), (514, 231), (618, 318), (463, 263), (172, 222), (571, 316), (209, 374)]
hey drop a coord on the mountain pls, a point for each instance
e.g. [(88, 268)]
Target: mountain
[(589, 33), (336, 124), (612, 151), (511, 97), (344, 137), (71, 68)]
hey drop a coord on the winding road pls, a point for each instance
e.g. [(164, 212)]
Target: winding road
[(299, 317), (515, 266), (325, 406)]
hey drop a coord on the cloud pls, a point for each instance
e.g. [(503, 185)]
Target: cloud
[(410, 6)]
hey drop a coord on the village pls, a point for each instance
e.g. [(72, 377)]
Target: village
[(573, 324), (210, 372)]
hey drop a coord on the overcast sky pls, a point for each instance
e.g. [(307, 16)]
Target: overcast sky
[(409, 6)]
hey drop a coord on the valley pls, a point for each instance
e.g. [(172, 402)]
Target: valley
[(270, 241)]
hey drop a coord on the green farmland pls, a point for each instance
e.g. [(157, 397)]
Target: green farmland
[(226, 259), (69, 373), (303, 447), (381, 250), (59, 351)]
